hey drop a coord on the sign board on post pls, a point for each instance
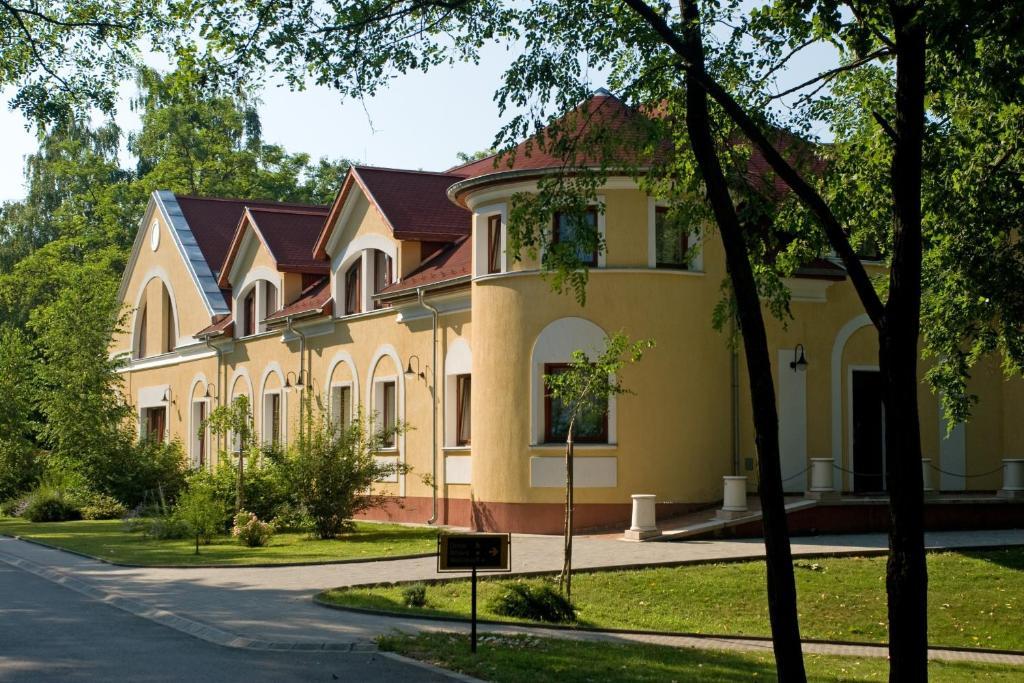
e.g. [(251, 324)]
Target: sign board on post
[(474, 552)]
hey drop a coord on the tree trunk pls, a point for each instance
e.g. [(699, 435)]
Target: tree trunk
[(565, 579), (782, 609), (906, 573), (238, 487)]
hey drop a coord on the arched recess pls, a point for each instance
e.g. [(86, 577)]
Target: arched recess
[(141, 314), (342, 382), (843, 336), (360, 249), (273, 405), (458, 363), (199, 406), (241, 385), (555, 344), (266, 287), (386, 368)]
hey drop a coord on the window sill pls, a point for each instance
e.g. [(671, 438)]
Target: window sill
[(458, 449), (387, 451), (576, 446)]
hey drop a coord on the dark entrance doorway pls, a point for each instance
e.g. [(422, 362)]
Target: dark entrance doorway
[(868, 434)]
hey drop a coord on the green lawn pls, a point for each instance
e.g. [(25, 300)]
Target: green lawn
[(108, 540), (976, 599), (525, 659)]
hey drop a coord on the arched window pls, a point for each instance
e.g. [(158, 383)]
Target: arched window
[(156, 308), (551, 353), (257, 301), (140, 333), (170, 333), (382, 275)]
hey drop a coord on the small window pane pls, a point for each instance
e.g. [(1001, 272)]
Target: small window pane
[(463, 391), (352, 285), (494, 244), (388, 414), (591, 422), (566, 226), (671, 241)]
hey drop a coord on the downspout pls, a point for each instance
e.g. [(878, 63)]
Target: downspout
[(302, 356), (220, 400), (735, 369), (433, 400)]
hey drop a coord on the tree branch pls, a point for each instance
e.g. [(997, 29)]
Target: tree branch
[(886, 126), (18, 11), (832, 73), (808, 195)]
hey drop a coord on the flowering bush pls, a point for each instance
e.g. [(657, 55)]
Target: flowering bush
[(250, 530)]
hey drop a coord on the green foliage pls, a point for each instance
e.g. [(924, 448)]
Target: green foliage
[(415, 595), (251, 531), (583, 389), (540, 603), (101, 506), (50, 502), (19, 466), (265, 490), (165, 527), (201, 511), (332, 472)]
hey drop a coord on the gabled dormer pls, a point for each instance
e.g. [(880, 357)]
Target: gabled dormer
[(383, 224), (270, 262)]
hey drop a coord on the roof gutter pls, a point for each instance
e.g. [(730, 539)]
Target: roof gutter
[(462, 186), (433, 286)]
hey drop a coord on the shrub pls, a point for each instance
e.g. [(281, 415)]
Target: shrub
[(201, 512), (15, 507), (265, 489), (540, 603), (165, 527), (331, 473), (291, 517), (250, 531), (101, 506), (48, 505), (415, 595)]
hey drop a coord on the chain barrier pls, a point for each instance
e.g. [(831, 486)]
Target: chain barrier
[(937, 469)]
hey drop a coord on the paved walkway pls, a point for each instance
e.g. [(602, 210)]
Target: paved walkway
[(272, 608)]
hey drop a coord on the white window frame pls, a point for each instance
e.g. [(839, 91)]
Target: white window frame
[(194, 455), (267, 423), (340, 420), (458, 361), (694, 242), (483, 215), (378, 406)]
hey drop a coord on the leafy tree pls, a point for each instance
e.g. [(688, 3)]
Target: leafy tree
[(69, 56), (333, 472), (234, 422), (18, 464), (583, 390), (200, 510)]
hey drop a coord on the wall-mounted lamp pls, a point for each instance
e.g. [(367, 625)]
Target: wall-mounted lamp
[(211, 391), (168, 398), (299, 382), (799, 363), (409, 372)]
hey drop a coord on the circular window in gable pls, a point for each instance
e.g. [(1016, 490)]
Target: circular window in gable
[(154, 238)]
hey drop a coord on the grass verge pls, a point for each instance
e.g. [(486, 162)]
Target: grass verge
[(109, 541), (527, 659), (976, 599)]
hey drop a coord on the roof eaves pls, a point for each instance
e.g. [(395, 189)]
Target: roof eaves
[(430, 286)]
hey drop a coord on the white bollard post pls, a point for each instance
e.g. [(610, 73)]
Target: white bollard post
[(1013, 479), (644, 524), (822, 479), (734, 498)]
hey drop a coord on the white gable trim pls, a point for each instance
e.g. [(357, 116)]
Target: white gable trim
[(164, 202)]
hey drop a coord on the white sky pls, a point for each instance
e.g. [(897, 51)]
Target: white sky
[(420, 121)]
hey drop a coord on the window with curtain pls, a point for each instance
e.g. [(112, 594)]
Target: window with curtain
[(591, 422), (494, 244), (249, 306), (388, 414), (381, 273), (142, 333), (671, 241), (341, 407), (172, 334), (353, 280), (567, 227), (463, 401)]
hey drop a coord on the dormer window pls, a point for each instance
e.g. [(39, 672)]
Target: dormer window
[(381, 273), (249, 318), (353, 282)]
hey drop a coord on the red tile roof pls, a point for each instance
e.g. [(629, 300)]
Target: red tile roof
[(213, 222), (289, 235), (315, 298), (592, 121), (414, 204), (451, 262), (222, 325)]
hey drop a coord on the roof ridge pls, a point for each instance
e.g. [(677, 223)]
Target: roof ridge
[(365, 167), (302, 212), (239, 200)]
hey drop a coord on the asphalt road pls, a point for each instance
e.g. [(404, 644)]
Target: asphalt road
[(49, 633)]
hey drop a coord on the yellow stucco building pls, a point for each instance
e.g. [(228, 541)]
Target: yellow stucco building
[(402, 298)]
